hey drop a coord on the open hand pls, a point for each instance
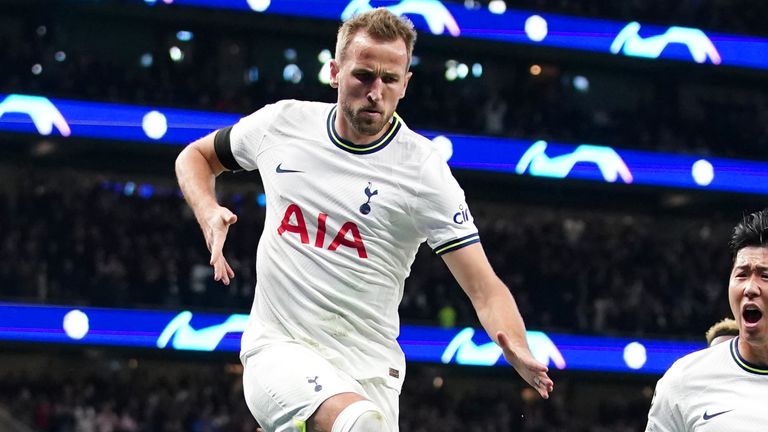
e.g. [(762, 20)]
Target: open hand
[(533, 372), (215, 228)]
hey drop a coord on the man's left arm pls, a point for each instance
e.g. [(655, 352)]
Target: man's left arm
[(498, 313)]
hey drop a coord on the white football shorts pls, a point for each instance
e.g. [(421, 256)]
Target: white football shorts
[(285, 382)]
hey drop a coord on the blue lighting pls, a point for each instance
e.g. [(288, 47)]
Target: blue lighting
[(146, 191), (185, 330), (47, 116), (524, 27)]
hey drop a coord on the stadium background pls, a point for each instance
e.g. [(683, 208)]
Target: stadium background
[(581, 257)]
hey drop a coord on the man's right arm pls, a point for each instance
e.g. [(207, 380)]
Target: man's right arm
[(196, 169), (664, 415)]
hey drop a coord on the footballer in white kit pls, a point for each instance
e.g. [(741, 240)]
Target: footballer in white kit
[(343, 225), (714, 389), (344, 222)]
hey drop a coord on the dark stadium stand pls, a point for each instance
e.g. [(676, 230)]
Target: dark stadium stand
[(88, 222)]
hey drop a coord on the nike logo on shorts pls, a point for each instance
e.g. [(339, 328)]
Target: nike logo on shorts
[(281, 170)]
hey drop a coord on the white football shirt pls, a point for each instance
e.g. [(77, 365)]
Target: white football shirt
[(342, 228), (714, 389)]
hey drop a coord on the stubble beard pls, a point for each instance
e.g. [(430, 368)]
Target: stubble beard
[(361, 125)]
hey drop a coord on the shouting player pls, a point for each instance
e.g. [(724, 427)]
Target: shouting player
[(725, 387)]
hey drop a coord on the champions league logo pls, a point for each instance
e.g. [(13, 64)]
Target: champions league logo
[(538, 163), (630, 43), (42, 111), (185, 337), (438, 17)]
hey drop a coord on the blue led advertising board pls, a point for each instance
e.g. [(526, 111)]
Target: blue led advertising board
[(44, 116), (620, 38), (193, 331)]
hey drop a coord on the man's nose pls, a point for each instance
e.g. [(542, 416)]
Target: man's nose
[(374, 92), (752, 287)]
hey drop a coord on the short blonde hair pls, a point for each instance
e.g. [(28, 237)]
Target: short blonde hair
[(381, 25), (726, 327)]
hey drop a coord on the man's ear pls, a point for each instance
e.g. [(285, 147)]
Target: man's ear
[(407, 78), (335, 69)]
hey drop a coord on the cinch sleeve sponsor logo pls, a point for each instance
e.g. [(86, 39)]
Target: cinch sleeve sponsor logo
[(462, 215)]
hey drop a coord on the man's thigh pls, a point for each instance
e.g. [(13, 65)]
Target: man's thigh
[(285, 382), (386, 398)]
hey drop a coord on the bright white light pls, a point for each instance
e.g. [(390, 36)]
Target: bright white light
[(75, 324), (450, 74), (176, 54), (497, 7), (536, 28), (60, 56), (703, 172), (37, 69), (324, 76), (444, 146), (477, 70), (581, 83), (290, 54), (259, 5), (154, 124), (324, 56), (292, 73), (184, 36), (462, 70), (147, 60), (635, 355)]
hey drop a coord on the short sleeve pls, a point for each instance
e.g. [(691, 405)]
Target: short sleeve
[(664, 414), (238, 146), (442, 214)]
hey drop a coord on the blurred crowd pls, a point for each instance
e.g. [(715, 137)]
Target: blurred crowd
[(518, 93), (85, 239), (206, 397)]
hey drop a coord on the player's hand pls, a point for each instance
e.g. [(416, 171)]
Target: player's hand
[(215, 228), (533, 372)]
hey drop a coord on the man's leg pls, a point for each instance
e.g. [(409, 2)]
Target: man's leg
[(348, 412)]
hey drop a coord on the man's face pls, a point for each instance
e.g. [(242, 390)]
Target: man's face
[(748, 293), (371, 79)]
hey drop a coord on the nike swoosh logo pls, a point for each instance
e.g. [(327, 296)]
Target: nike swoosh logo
[(281, 170), (709, 416)]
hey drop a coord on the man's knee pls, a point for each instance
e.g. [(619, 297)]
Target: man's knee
[(361, 416)]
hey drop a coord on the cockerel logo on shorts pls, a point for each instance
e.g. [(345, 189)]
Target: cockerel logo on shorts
[(318, 387)]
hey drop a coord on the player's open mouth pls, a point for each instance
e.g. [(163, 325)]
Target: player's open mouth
[(751, 314)]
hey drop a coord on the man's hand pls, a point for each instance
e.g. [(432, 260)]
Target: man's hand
[(533, 372), (215, 228)]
